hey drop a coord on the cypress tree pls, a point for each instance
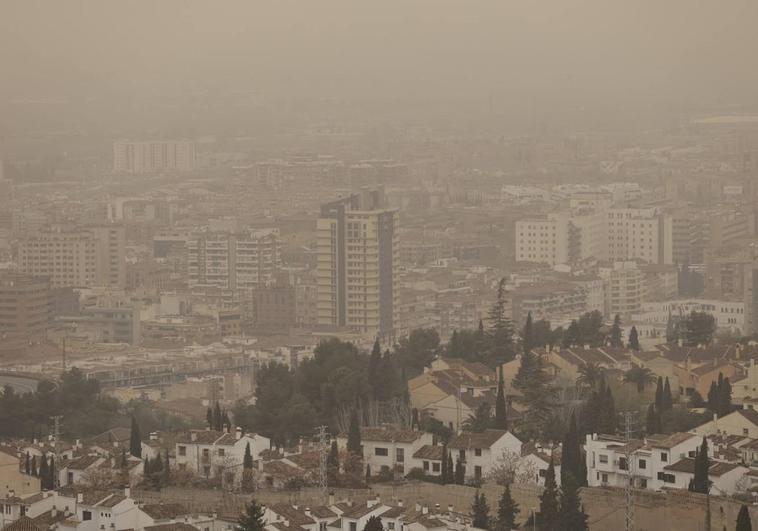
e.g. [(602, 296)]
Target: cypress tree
[(247, 461), (725, 398), (218, 418), (653, 420), (374, 366), (667, 401), (528, 339), (43, 472), (252, 519), (480, 512), (444, 474), (51, 474), (135, 439), (34, 466), (507, 511), (634, 340), (450, 468), (27, 465), (700, 482), (460, 472), (415, 425), (743, 520), (209, 418), (572, 515), (226, 423), (659, 394), (571, 454), (615, 338), (354, 436), (368, 474), (713, 398), (500, 422), (549, 510), (166, 469)]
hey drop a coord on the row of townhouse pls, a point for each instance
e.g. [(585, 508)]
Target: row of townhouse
[(401, 451), (655, 463), (78, 508)]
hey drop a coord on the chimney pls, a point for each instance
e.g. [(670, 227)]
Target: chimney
[(418, 507), (399, 503), (307, 512), (53, 512), (238, 433), (78, 443), (127, 492), (79, 497), (450, 508), (193, 436), (153, 435), (425, 510), (331, 498)]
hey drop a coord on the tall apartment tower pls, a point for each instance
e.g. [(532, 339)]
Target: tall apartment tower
[(24, 311), (79, 257), (234, 261), (358, 254), (153, 156)]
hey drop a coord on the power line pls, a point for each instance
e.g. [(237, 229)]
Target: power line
[(323, 449), (629, 486)]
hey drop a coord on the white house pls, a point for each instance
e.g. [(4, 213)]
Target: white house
[(725, 477), (386, 449), (212, 453), (607, 459), (742, 422), (480, 452)]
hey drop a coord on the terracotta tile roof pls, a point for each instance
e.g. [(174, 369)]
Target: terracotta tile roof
[(281, 526), (24, 523), (306, 460), (292, 515), (91, 496), (282, 470), (172, 527), (111, 501), (668, 441), (750, 414), (83, 463), (163, 511), (390, 435), (200, 437), (323, 512), (46, 519), (483, 439), (687, 465), (117, 434), (430, 452)]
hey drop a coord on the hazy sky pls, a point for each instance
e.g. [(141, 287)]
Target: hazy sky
[(551, 52)]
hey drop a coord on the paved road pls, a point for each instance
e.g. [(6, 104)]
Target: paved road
[(19, 383)]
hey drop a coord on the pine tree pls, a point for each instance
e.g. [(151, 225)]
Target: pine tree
[(27, 465), (667, 401), (528, 339), (507, 512), (634, 339), (480, 512), (500, 422), (374, 524), (615, 338), (252, 519), (572, 516), (43, 472), (135, 439), (743, 520), (500, 332), (549, 512), (460, 472), (659, 394)]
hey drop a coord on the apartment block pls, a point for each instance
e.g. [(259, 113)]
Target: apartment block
[(624, 288), (24, 311), (235, 261), (153, 156), (67, 256), (358, 252)]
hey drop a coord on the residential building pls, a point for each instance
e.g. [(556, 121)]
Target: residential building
[(153, 156), (741, 422), (79, 257), (358, 251), (235, 261), (391, 450), (624, 288), (638, 233), (481, 452), (24, 311), (12, 480)]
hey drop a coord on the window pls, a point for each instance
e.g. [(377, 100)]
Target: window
[(642, 464), (221, 452), (353, 526), (462, 455), (623, 464), (604, 478), (426, 466), (478, 452), (86, 515), (603, 458), (381, 451), (744, 431), (182, 450), (400, 455), (664, 457), (643, 483), (478, 472), (435, 467)]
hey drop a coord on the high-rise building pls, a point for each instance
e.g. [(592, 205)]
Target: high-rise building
[(66, 256), (24, 311), (358, 254), (234, 261), (153, 156)]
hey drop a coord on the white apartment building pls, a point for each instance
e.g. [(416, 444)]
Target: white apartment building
[(624, 288), (210, 453), (481, 452), (89, 256), (638, 233), (235, 261), (607, 463), (153, 156), (357, 270), (391, 450), (729, 315)]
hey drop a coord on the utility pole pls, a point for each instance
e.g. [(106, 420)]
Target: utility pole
[(63, 352), (629, 487), (323, 454)]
